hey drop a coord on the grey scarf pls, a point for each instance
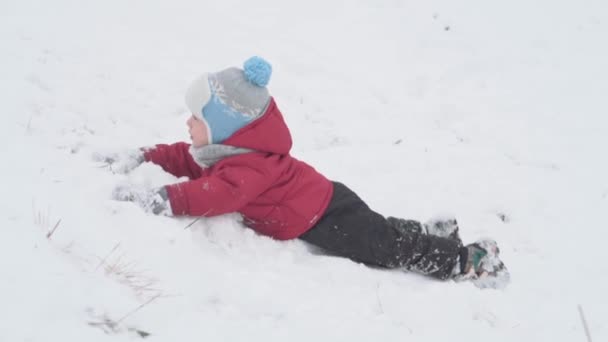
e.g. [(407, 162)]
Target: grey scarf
[(206, 156)]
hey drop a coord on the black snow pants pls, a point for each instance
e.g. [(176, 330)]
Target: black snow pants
[(349, 228)]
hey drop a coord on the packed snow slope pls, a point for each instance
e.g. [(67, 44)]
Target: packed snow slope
[(492, 111)]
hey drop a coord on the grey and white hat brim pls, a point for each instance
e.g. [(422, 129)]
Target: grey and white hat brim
[(198, 95)]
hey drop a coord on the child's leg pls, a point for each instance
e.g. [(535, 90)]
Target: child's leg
[(351, 229), (440, 226)]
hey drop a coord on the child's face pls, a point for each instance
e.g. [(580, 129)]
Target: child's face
[(198, 132)]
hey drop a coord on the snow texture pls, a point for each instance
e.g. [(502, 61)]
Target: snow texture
[(493, 111)]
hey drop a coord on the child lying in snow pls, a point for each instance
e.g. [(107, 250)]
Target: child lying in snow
[(239, 161)]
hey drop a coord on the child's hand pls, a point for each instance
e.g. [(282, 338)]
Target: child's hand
[(122, 161), (154, 201)]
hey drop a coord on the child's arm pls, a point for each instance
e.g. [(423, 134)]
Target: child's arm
[(224, 192), (174, 159)]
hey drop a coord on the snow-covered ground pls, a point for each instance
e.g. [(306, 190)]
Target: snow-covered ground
[(482, 109)]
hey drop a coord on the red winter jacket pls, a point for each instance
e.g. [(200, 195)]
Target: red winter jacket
[(278, 195)]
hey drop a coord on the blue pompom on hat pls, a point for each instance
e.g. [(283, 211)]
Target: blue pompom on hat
[(257, 71), (230, 99)]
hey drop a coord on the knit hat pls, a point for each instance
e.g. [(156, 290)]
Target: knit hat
[(230, 99)]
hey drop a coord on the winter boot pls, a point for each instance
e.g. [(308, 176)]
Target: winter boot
[(446, 227), (481, 265)]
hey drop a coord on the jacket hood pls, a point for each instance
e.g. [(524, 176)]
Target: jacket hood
[(268, 133)]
